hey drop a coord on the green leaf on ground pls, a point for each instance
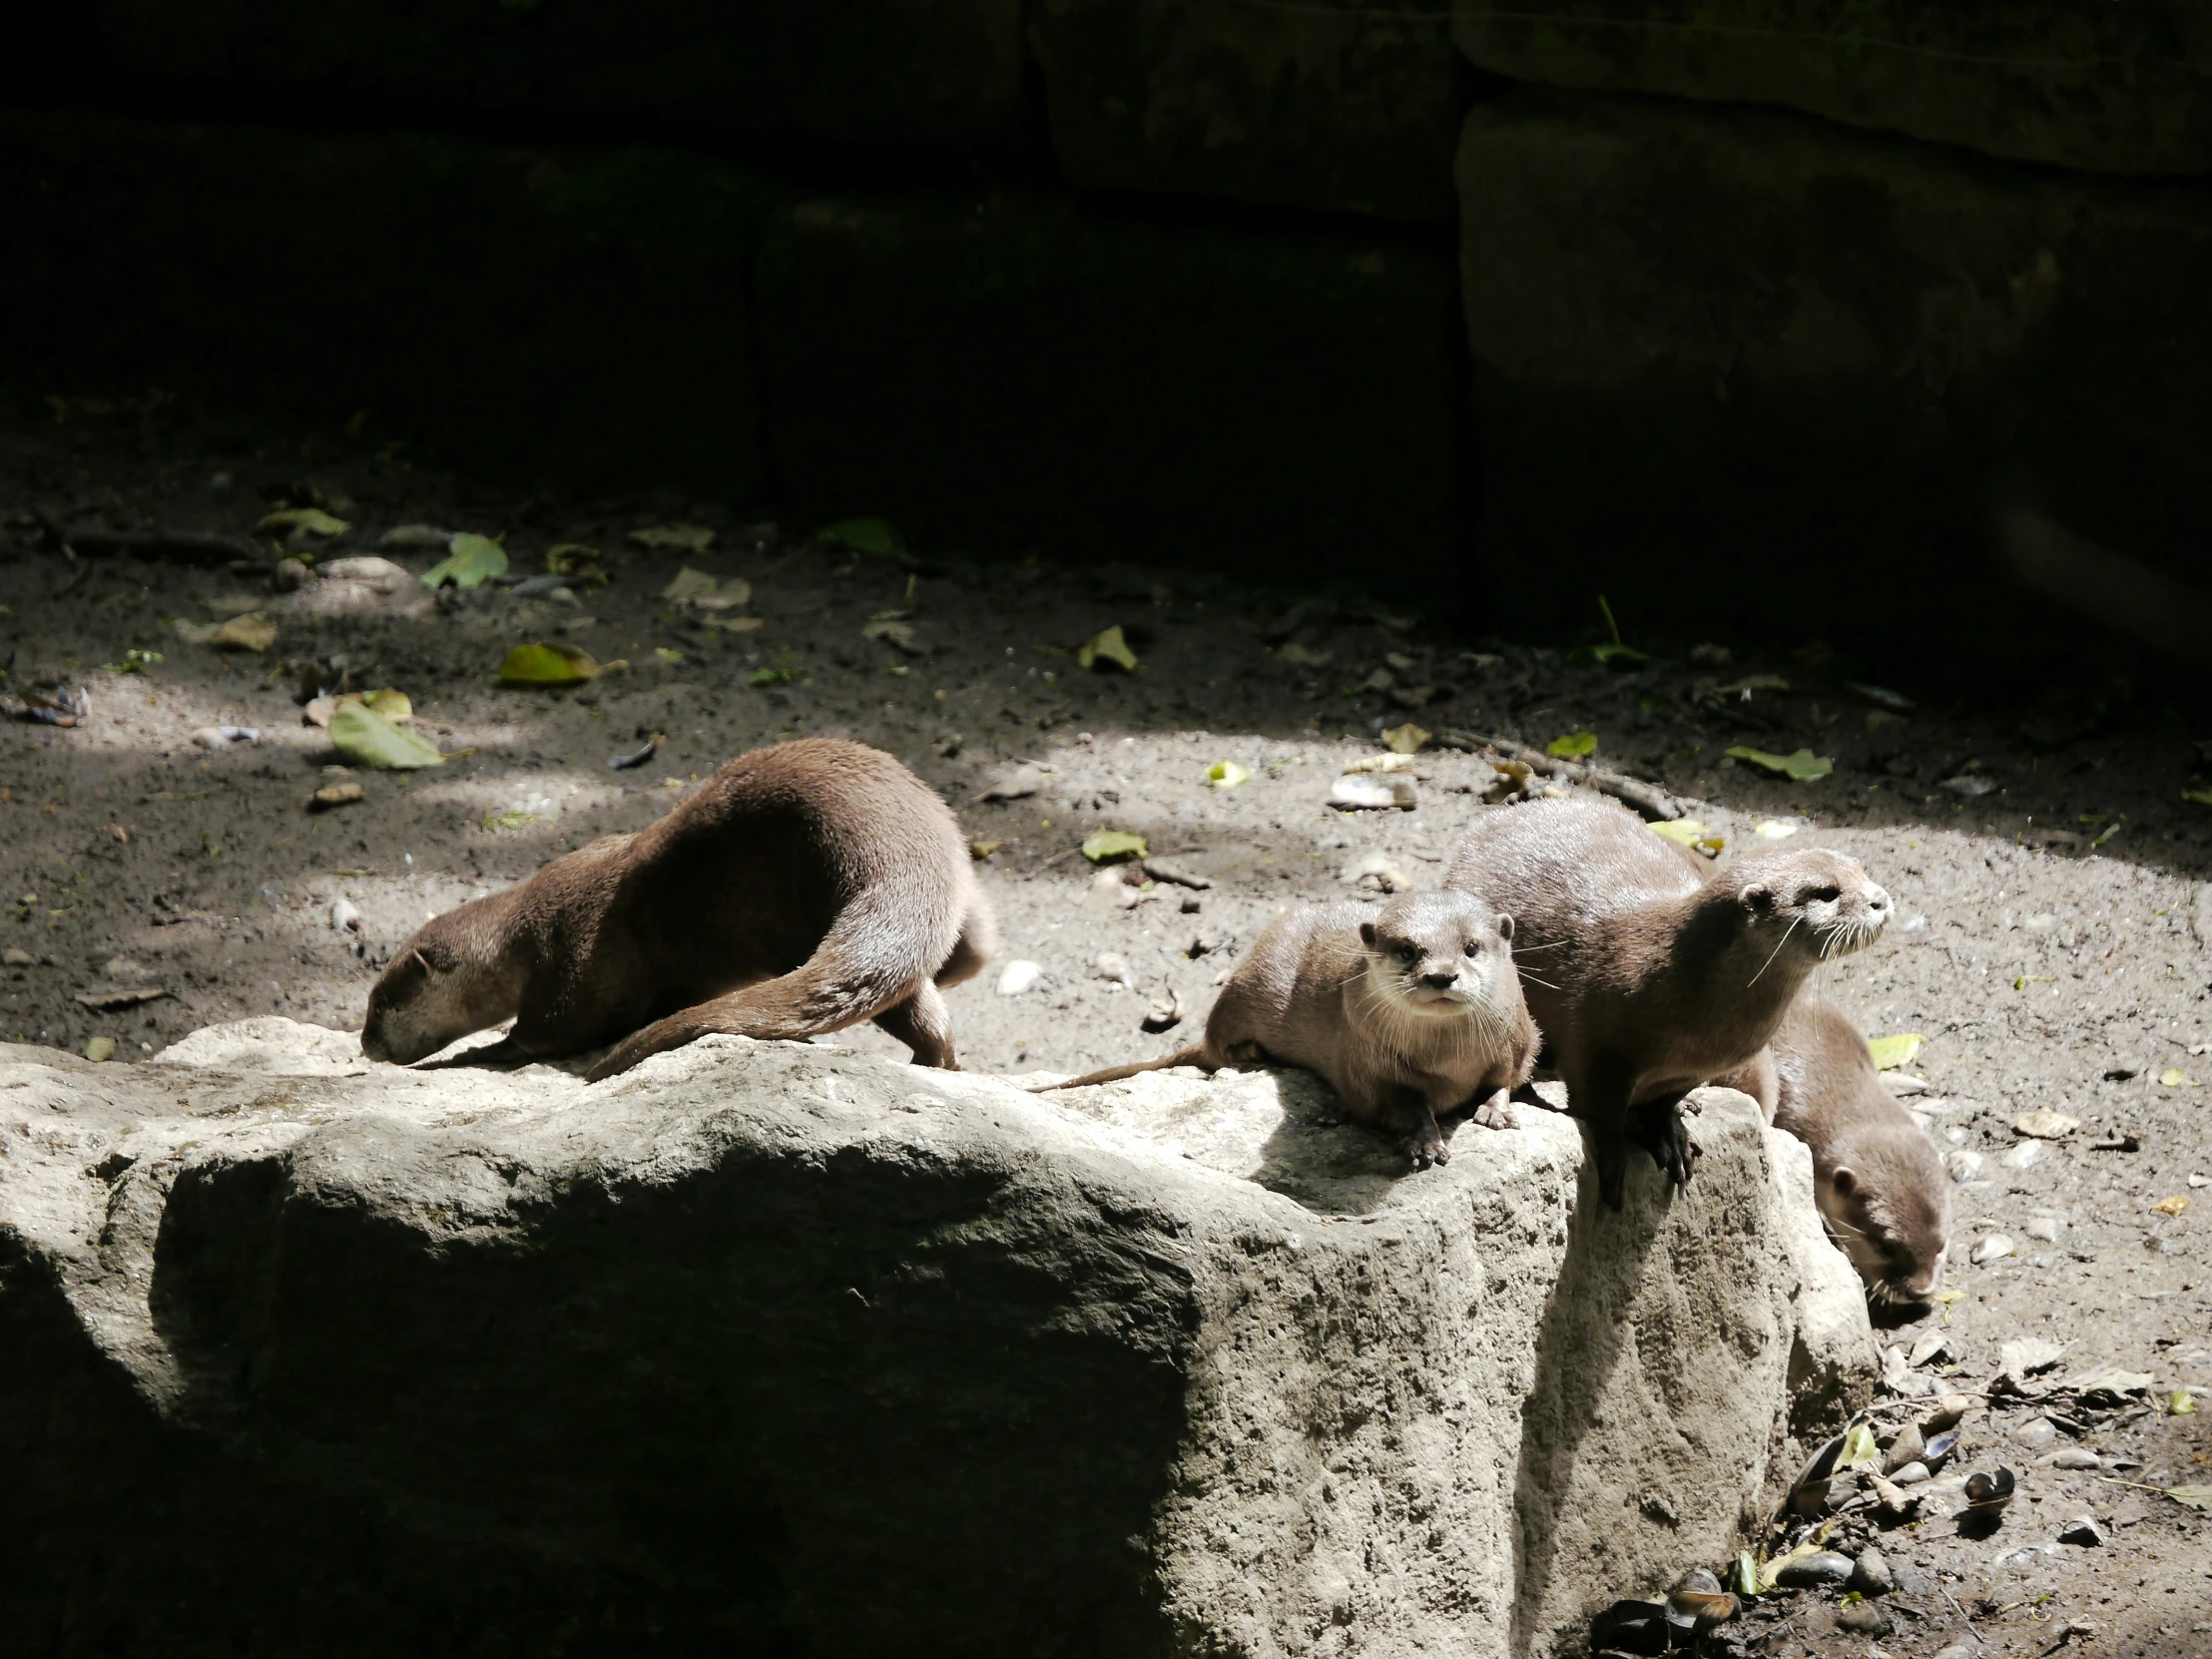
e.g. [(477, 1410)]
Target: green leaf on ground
[(546, 664), (869, 535), (470, 561), (675, 538), (1106, 647), (302, 521), (1573, 747), (1114, 846), (1405, 740), (1888, 1054), (1802, 764), (1226, 775), (368, 739)]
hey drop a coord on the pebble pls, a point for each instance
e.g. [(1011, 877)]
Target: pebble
[(1992, 1248), (2023, 1156), (2083, 1530), (1359, 791), (1377, 873), (2073, 1457), (19, 958), (2035, 1433), (344, 917), (2044, 1228), (1909, 1475), (1821, 1567), (1957, 1650), (1863, 1618), (1018, 977), (1112, 965), (1964, 1166), (210, 737), (1871, 1575)]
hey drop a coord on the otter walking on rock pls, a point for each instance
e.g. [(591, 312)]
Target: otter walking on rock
[(1410, 1013), (801, 888), (1648, 973)]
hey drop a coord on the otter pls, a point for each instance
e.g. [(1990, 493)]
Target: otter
[(801, 888), (1648, 973), (1409, 1013), (1877, 1176)]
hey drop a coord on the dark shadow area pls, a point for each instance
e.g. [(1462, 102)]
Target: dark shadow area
[(762, 1407)]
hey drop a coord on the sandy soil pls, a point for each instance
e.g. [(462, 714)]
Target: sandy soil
[(2046, 962)]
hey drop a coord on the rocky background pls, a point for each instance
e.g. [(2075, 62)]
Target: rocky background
[(1505, 305)]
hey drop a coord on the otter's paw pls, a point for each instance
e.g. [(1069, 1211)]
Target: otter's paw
[(1677, 1152), (1612, 1174), (1426, 1147), (1496, 1112)]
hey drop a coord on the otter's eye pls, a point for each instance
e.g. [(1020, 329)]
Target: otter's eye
[(1408, 953), (1474, 948), (1824, 895)]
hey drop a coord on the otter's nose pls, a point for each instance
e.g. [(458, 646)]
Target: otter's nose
[(1877, 902), (1439, 981)]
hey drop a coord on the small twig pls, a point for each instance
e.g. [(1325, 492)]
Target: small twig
[(192, 546), (1648, 798)]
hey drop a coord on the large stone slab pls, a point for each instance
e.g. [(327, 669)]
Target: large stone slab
[(1010, 370), (1351, 108), (1759, 371), (515, 310), (2082, 83), (945, 73), (773, 1348)]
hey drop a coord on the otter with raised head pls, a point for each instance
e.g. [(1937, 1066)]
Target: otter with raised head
[(1648, 973), (1877, 1176), (801, 888), (1410, 1013)]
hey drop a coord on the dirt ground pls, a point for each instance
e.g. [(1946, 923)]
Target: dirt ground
[(2051, 946)]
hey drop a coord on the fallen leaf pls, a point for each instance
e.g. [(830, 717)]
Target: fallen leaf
[(2173, 1077), (333, 794), (305, 521), (2203, 797), (100, 1048), (513, 818), (675, 538), (1573, 746), (470, 561), (1360, 791), (256, 632), (129, 998), (1969, 784), (706, 593), (2043, 1124), (544, 664), (395, 706), (1774, 830), (1114, 846), (1302, 655), (672, 658), (2196, 1497), (869, 535), (2180, 1402), (1381, 763), (1107, 646), (1226, 775), (892, 632), (1684, 832), (1803, 764), (1742, 688), (1405, 740), (368, 739), (582, 565), (1860, 1450), (2172, 1205), (1888, 1054), (980, 850)]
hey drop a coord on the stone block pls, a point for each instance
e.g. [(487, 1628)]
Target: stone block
[(768, 1348), (515, 310), (1351, 108), (942, 73), (1013, 370), (1727, 360), (2078, 82)]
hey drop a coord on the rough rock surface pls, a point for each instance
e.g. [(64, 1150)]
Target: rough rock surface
[(1351, 108), (1080, 381), (928, 72), (1726, 332), (2123, 88), (776, 1348)]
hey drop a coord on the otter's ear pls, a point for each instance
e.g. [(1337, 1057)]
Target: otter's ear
[(1756, 899), (1505, 928), (425, 963), (1843, 1182), (1366, 934)]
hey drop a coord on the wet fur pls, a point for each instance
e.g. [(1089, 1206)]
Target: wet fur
[(1333, 988), (1877, 1176), (801, 888), (1649, 972)]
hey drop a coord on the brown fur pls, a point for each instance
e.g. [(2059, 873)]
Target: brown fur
[(1409, 1012), (1650, 973), (1877, 1176), (801, 888)]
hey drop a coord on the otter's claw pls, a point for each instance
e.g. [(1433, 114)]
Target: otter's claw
[(1428, 1147), (1497, 1111)]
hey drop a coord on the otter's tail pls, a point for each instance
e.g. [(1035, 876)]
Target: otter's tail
[(1194, 1055), (885, 947)]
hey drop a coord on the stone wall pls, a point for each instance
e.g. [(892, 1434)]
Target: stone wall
[(1162, 280)]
